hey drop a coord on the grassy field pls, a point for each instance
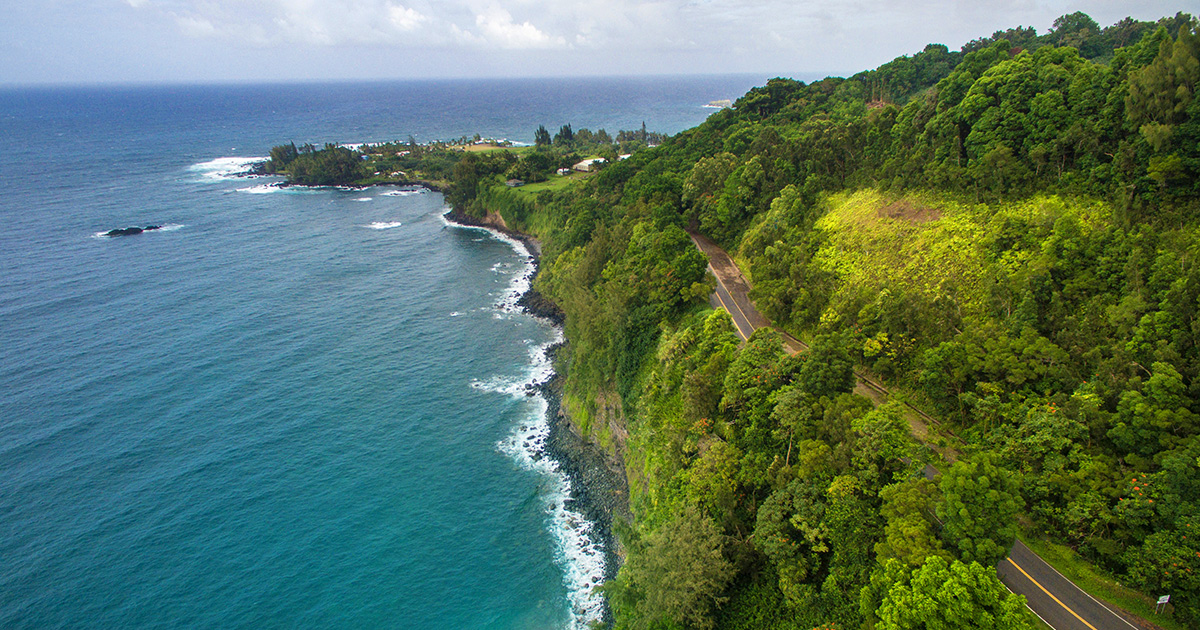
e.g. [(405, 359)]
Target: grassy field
[(556, 182), (482, 148)]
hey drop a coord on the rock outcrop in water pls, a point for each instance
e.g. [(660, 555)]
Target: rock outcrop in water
[(130, 231)]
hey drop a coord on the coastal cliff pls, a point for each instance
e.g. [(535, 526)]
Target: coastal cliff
[(599, 490)]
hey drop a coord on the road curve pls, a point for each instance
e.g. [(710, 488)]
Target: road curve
[(1061, 604), (1050, 595)]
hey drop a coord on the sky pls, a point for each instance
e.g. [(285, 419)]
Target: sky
[(203, 41)]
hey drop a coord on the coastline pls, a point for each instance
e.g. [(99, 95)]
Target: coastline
[(597, 492)]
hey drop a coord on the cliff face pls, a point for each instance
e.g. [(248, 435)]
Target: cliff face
[(490, 219)]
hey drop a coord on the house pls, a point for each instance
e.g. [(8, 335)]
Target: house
[(586, 165), (563, 171)]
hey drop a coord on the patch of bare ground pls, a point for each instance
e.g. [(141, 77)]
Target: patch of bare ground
[(906, 210)]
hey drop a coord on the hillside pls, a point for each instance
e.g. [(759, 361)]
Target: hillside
[(1007, 235)]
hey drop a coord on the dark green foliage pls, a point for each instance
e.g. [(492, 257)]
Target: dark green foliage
[(541, 137), (675, 574), (281, 157), (332, 166)]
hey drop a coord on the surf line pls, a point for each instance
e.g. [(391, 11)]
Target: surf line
[(580, 551)]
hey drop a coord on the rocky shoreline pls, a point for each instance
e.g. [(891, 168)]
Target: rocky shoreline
[(598, 492)]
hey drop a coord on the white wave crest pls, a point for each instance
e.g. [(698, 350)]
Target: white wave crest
[(364, 199), (521, 281), (383, 225), (225, 167), (579, 551), (404, 192), (262, 189)]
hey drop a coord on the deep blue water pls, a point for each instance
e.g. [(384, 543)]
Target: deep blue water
[(293, 409)]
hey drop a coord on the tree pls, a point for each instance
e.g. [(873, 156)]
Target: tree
[(281, 157), (791, 531), (1161, 92), (1156, 418), (541, 137), (828, 369), (1169, 563), (712, 481), (1078, 30), (909, 535), (565, 137), (979, 512), (944, 595), (882, 444), (677, 574)]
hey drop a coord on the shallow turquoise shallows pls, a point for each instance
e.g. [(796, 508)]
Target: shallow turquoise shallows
[(288, 408)]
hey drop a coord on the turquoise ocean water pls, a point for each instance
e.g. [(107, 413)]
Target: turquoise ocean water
[(290, 408)]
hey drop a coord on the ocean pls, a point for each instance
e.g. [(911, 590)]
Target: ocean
[(289, 407)]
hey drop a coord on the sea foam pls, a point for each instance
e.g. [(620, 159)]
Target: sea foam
[(261, 189), (225, 167), (579, 551), (383, 225)]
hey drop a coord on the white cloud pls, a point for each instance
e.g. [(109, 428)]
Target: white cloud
[(404, 18), (195, 26), (498, 28), (560, 36)]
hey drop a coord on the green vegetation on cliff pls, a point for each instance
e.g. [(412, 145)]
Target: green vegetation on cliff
[(1009, 235)]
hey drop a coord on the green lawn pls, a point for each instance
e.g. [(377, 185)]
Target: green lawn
[(556, 182), (477, 148)]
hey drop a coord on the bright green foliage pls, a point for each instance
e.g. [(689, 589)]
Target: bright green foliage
[(712, 482), (882, 445), (979, 510), (910, 534), (827, 369), (759, 369), (679, 407), (944, 595)]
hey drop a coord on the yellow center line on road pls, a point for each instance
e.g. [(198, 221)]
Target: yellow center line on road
[(1038, 584), (735, 304), (726, 307)]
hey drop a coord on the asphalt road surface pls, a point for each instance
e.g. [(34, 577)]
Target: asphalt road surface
[(1061, 604)]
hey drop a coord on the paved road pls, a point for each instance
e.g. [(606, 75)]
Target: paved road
[(1061, 604), (1054, 598), (725, 301)]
